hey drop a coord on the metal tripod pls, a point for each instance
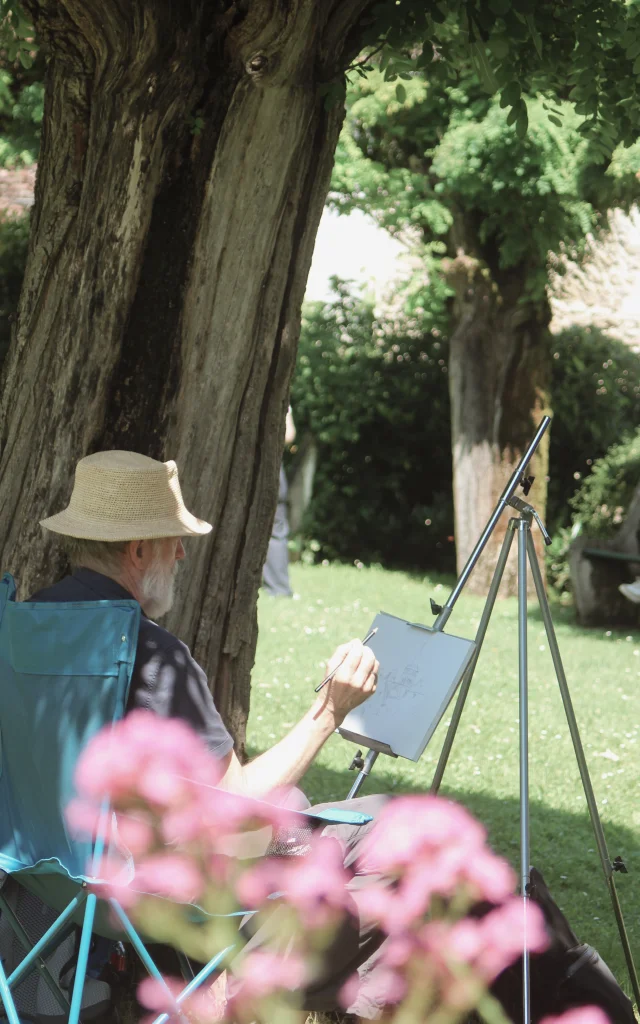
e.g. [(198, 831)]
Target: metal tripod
[(521, 525)]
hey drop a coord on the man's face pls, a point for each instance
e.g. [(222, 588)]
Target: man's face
[(158, 580)]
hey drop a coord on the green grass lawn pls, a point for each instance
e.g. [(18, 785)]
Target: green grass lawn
[(336, 603)]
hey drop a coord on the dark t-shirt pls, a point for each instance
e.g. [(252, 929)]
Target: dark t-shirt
[(165, 678)]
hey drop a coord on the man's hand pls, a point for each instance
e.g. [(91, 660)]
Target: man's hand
[(285, 764), (354, 681)]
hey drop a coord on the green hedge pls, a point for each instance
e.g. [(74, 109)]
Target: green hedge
[(595, 397), (374, 396), (14, 239), (601, 504)]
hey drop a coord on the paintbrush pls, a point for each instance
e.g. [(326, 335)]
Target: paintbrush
[(332, 674)]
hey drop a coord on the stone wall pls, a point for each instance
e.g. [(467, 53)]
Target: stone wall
[(604, 290)]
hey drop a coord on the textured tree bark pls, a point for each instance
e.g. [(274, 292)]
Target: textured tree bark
[(498, 369), (186, 155)]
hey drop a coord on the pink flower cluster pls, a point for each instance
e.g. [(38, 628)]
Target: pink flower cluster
[(438, 856), (433, 847), (170, 815), (263, 974), (314, 884)]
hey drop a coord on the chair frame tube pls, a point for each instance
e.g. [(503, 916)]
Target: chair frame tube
[(196, 983), (7, 999), (33, 957)]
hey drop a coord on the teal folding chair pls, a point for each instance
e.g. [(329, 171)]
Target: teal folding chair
[(65, 670)]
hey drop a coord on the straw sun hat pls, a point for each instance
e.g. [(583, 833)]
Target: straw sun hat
[(125, 496)]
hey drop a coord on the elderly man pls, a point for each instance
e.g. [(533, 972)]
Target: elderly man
[(123, 531)]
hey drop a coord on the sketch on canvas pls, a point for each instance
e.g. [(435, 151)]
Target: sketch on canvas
[(420, 669)]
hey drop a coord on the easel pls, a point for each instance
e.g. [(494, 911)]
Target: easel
[(521, 524)]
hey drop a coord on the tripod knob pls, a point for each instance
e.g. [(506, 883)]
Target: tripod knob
[(358, 762), (527, 483), (619, 865), (435, 607)]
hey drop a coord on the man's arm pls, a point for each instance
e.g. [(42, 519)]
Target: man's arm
[(286, 762)]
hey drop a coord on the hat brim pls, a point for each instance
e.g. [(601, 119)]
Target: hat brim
[(84, 528)]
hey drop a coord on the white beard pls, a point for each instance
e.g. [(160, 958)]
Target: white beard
[(157, 587)]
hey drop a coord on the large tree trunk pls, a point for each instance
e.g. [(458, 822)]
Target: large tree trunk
[(498, 371), (186, 155)]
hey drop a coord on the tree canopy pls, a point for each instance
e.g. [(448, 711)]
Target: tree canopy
[(447, 152)]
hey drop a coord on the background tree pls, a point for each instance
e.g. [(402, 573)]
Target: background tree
[(186, 153), (442, 162)]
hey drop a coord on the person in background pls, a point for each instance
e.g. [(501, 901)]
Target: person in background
[(275, 574), (631, 591)]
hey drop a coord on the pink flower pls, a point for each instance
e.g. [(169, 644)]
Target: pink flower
[(395, 910), (134, 833), (227, 813), (263, 972), (488, 944), (113, 882), (200, 1007), (259, 882), (413, 827), (160, 785), (107, 767), (431, 846), (314, 884), (116, 760), (490, 877), (154, 995), (171, 875), (384, 987), (581, 1015), (505, 932), (83, 818)]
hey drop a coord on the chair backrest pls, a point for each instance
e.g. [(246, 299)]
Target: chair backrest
[(64, 674)]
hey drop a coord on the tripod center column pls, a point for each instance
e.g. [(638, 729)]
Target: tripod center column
[(524, 527)]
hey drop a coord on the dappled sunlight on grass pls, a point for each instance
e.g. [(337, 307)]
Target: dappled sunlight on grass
[(336, 603)]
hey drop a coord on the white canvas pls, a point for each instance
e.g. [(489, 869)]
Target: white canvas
[(420, 669)]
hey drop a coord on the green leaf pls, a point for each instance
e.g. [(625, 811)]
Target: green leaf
[(513, 115), (483, 68), (510, 94), (632, 51), (26, 59), (555, 120), (636, 66), (499, 46), (401, 93), (499, 6), (535, 35), (522, 124)]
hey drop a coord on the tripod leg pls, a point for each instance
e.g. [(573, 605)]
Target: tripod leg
[(468, 676), (601, 843), (524, 532)]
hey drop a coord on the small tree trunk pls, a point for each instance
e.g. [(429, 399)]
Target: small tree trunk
[(186, 155), (497, 381)]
